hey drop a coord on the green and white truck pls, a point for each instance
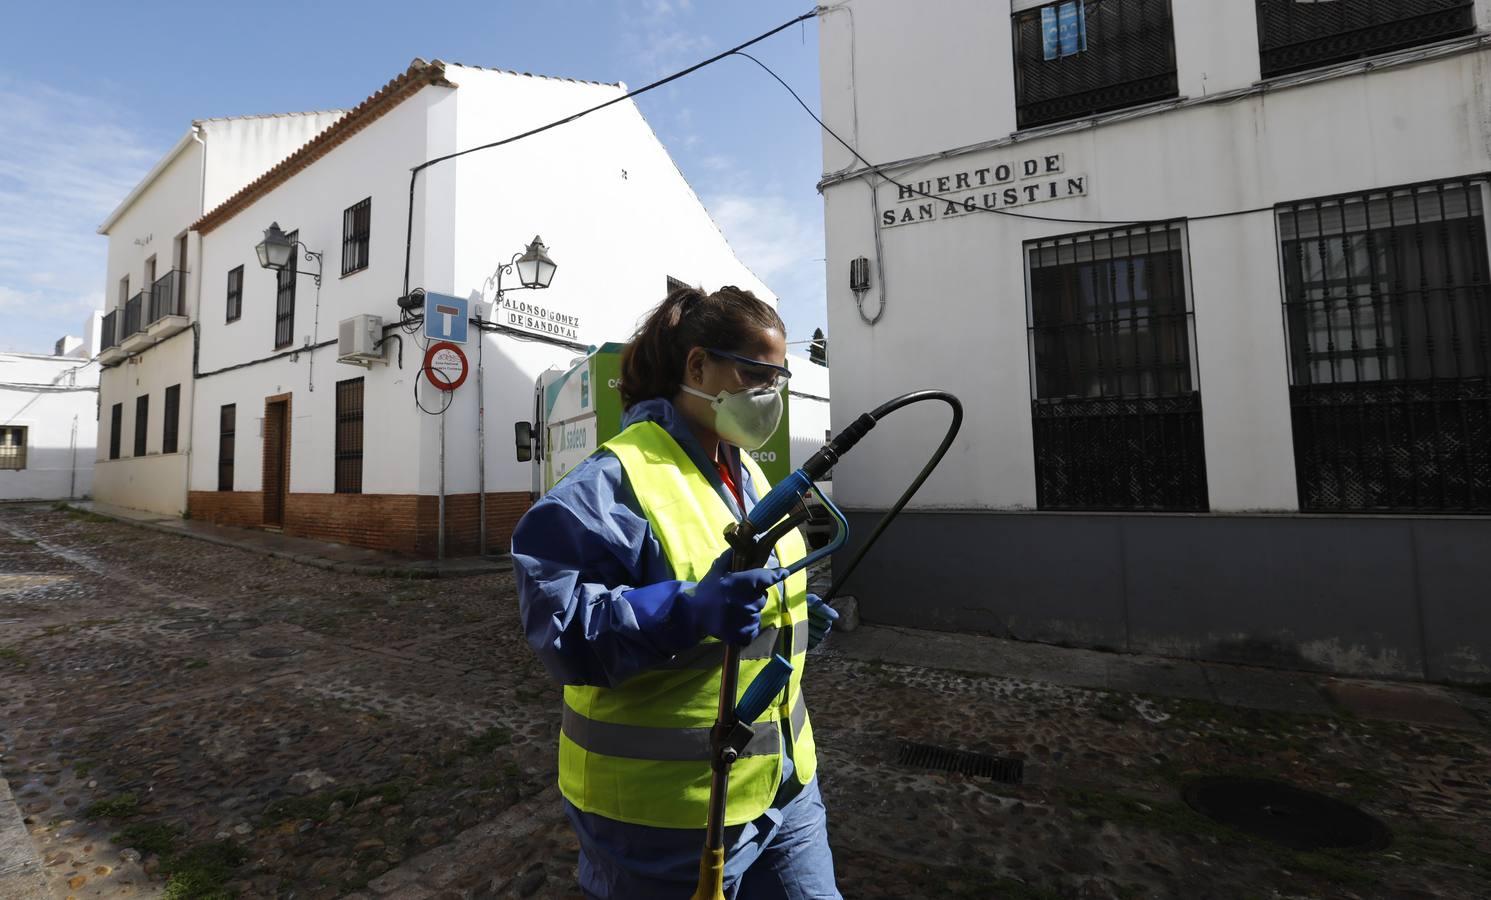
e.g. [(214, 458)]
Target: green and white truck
[(577, 409)]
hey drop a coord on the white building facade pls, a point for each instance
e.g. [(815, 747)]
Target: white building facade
[(151, 295), (289, 437), (48, 419), (1211, 281)]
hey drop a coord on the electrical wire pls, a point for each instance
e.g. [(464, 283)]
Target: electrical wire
[(875, 169), (414, 173), (879, 413)]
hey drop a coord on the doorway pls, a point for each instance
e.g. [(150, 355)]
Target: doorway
[(276, 460)]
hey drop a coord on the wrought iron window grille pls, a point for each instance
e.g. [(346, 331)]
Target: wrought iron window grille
[(349, 433), (1294, 36), (226, 433), (1116, 411), (356, 228), (1387, 305), (235, 294), (284, 303)]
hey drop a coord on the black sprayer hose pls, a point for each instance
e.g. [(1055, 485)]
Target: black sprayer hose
[(879, 413)]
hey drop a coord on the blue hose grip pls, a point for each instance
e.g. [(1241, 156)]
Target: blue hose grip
[(764, 689), (779, 501)]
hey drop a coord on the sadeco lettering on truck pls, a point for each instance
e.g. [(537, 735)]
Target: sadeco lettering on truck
[(577, 409)]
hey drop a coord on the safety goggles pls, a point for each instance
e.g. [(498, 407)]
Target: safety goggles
[(754, 373)]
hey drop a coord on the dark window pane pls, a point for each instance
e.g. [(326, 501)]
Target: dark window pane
[(1389, 331), (1117, 417), (116, 425), (284, 304), (1295, 35), (172, 419), (226, 432), (235, 294), (349, 436), (1121, 54), (356, 227), (142, 419)]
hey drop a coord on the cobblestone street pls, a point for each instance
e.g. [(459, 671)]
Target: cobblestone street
[(187, 720)]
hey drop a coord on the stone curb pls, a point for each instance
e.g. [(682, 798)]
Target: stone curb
[(21, 875), (420, 570)]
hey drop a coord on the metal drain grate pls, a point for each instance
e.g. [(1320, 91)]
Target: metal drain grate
[(981, 765)]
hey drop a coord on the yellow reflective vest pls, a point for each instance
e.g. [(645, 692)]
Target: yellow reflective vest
[(639, 752)]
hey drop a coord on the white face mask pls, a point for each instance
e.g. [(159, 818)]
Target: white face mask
[(747, 418)]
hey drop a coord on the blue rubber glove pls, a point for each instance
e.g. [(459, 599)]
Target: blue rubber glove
[(727, 605), (821, 618)]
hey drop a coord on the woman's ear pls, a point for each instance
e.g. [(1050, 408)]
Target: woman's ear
[(693, 367)]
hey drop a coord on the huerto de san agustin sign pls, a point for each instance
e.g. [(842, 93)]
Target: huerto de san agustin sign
[(1034, 180)]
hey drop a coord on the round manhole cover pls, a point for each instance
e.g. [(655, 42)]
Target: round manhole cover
[(238, 624), (274, 652), (1287, 815)]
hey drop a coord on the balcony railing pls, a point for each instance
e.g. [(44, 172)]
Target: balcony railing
[(1128, 59), (134, 309), (1294, 36), (166, 296), (110, 336)]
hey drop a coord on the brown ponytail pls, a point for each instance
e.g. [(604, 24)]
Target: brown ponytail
[(652, 363)]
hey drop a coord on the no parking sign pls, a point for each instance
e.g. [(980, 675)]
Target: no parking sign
[(445, 366)]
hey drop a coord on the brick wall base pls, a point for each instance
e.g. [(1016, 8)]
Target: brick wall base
[(401, 523)]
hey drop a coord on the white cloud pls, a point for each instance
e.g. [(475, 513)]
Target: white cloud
[(782, 243), (66, 160)]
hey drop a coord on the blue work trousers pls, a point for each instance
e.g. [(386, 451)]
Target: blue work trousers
[(782, 855)]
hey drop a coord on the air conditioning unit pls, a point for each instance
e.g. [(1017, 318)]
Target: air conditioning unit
[(358, 340)]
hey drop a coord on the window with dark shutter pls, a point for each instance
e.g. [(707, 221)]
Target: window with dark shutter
[(142, 422), (116, 426), (349, 436), (284, 302), (1294, 35), (357, 223), (226, 431), (235, 294), (1078, 58), (1116, 411), (172, 418), (1387, 302)]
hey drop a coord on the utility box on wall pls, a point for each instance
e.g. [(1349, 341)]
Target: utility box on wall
[(359, 340)]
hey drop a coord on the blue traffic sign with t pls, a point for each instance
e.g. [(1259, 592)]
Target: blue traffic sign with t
[(445, 318)]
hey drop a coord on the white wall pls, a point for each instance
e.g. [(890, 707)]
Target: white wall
[(616, 213), (157, 481), (54, 399), (375, 163), (956, 293)]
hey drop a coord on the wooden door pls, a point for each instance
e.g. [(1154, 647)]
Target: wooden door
[(276, 461)]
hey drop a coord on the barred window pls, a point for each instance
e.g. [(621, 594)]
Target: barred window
[(13, 446), (116, 426), (235, 294), (226, 431), (1078, 58), (172, 417), (1294, 35), (284, 302), (1389, 328), (142, 422), (1117, 416), (349, 437), (357, 222)]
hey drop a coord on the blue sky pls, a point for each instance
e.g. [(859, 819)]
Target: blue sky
[(92, 94)]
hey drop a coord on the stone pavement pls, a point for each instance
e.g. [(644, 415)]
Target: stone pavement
[(321, 554), (1249, 687), (199, 718)]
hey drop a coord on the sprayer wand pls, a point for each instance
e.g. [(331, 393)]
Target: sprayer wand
[(753, 539)]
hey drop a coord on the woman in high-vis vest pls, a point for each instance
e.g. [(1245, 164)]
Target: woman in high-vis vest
[(626, 595)]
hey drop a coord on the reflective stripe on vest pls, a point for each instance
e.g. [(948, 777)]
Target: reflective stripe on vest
[(639, 752)]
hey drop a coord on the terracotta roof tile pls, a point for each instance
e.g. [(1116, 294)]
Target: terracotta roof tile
[(420, 74)]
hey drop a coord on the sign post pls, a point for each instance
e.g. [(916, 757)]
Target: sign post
[(446, 368)]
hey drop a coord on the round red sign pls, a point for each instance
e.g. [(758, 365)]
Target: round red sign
[(445, 366)]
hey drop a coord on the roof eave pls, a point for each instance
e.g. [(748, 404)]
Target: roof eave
[(149, 178)]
